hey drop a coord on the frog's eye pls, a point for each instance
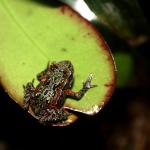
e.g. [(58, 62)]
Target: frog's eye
[(37, 94), (65, 72)]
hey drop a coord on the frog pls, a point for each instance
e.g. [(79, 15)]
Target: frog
[(47, 99)]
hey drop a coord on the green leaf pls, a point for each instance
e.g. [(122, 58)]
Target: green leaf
[(31, 34)]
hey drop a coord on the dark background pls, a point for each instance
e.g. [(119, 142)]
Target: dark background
[(124, 123)]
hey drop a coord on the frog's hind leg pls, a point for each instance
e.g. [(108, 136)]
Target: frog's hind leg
[(54, 116), (28, 94)]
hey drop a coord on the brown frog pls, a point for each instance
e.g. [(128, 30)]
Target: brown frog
[(47, 98)]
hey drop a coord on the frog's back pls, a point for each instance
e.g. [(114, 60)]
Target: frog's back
[(43, 97), (59, 77)]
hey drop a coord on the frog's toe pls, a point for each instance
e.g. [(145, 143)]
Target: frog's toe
[(87, 83)]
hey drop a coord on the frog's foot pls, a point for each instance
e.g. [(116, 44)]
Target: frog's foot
[(86, 86), (29, 86), (26, 106), (54, 116)]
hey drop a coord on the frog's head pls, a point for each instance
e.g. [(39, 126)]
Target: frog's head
[(67, 68), (66, 64)]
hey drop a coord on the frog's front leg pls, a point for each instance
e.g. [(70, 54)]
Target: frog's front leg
[(86, 86), (28, 94), (42, 76)]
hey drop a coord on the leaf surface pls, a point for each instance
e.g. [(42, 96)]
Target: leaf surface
[(31, 34)]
